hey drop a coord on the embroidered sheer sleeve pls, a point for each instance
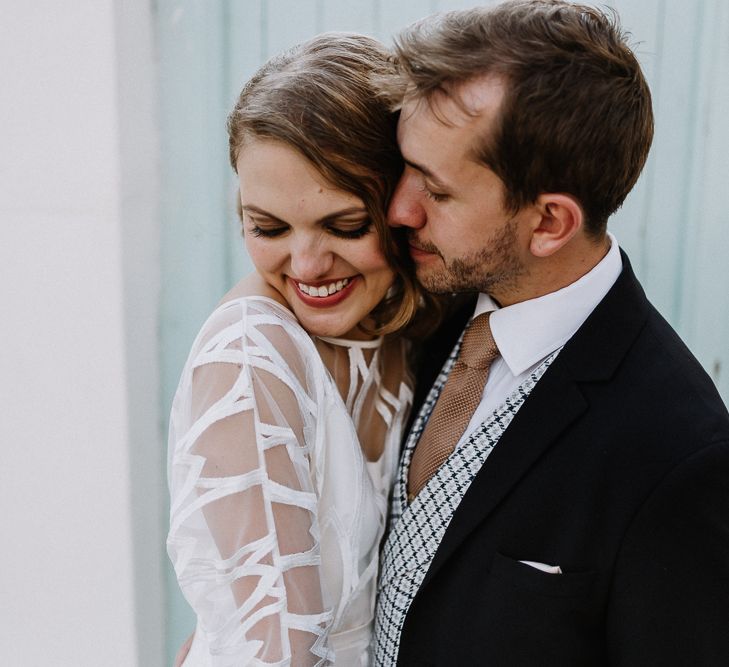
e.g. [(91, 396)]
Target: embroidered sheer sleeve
[(244, 538)]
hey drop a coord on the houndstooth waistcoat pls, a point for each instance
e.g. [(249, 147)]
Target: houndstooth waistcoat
[(416, 530)]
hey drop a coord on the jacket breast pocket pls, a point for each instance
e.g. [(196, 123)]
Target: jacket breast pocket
[(539, 618), (509, 573)]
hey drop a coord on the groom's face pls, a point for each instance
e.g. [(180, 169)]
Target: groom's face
[(462, 237)]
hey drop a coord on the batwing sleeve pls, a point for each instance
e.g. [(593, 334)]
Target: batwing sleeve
[(243, 538)]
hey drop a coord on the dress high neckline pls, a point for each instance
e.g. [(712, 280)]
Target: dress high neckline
[(346, 342)]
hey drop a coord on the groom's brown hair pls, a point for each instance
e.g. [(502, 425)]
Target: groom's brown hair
[(576, 116)]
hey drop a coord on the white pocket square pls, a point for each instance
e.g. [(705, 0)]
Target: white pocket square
[(551, 569)]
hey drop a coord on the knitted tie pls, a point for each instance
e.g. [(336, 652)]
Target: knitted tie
[(456, 404)]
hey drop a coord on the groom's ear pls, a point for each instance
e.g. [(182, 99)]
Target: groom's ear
[(560, 218)]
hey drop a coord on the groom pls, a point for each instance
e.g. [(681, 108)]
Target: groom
[(563, 497)]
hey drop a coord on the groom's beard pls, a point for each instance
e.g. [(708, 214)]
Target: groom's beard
[(493, 268)]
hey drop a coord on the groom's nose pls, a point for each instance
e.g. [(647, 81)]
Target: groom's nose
[(406, 208)]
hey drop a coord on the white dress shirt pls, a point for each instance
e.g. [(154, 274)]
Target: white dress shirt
[(527, 332)]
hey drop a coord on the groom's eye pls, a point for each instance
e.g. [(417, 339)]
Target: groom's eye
[(432, 194), (436, 196)]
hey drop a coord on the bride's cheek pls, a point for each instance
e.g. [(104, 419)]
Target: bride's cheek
[(263, 257)]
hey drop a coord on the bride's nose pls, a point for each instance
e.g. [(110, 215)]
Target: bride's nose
[(311, 259)]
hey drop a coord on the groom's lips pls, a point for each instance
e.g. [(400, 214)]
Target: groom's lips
[(418, 253)]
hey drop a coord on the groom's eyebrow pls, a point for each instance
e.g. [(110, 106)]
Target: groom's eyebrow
[(437, 182)]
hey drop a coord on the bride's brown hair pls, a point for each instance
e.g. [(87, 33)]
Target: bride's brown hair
[(320, 99)]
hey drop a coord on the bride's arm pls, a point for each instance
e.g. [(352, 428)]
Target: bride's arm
[(244, 535), (183, 651)]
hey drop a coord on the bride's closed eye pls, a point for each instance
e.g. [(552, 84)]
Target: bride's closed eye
[(355, 230), (342, 230), (266, 231)]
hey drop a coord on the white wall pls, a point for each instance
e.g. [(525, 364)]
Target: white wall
[(80, 556)]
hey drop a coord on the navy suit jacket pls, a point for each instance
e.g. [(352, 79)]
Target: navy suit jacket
[(616, 469)]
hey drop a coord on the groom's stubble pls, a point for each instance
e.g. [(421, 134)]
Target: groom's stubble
[(495, 267)]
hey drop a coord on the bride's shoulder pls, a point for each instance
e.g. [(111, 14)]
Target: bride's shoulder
[(253, 286), (253, 316), (249, 298)]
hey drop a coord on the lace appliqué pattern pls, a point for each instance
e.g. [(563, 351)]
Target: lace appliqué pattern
[(275, 516)]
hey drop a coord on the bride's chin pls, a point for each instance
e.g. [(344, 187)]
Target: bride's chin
[(330, 325), (320, 327)]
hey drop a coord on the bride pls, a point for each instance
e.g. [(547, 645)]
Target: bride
[(286, 424)]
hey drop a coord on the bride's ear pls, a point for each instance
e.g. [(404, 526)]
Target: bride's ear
[(561, 217)]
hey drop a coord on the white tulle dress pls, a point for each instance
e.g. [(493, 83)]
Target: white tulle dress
[(276, 513)]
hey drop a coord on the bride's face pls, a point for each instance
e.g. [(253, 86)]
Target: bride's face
[(314, 243)]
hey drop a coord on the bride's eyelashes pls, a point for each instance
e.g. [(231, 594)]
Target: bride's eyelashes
[(267, 232), (351, 231)]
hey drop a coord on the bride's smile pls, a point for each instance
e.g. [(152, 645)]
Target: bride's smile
[(325, 293)]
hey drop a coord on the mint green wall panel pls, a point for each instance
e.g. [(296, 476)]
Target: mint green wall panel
[(348, 16), (664, 223), (192, 100), (644, 21), (703, 317), (447, 5), (396, 15), (290, 22), (245, 34)]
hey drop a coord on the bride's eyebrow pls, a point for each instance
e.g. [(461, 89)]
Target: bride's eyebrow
[(353, 210), (331, 217), (250, 208)]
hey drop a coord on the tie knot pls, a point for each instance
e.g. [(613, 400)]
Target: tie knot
[(478, 349)]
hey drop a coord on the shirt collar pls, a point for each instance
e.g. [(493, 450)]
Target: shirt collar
[(528, 331)]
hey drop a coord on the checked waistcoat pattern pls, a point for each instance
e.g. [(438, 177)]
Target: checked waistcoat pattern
[(417, 529)]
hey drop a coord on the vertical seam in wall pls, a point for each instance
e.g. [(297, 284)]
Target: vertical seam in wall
[(263, 56), (225, 81), (651, 175), (694, 149), (318, 15), (376, 18), (719, 366)]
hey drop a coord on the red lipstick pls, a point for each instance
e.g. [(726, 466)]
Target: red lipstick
[(324, 301)]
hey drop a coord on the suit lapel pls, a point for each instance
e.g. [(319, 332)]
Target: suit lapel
[(593, 354)]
